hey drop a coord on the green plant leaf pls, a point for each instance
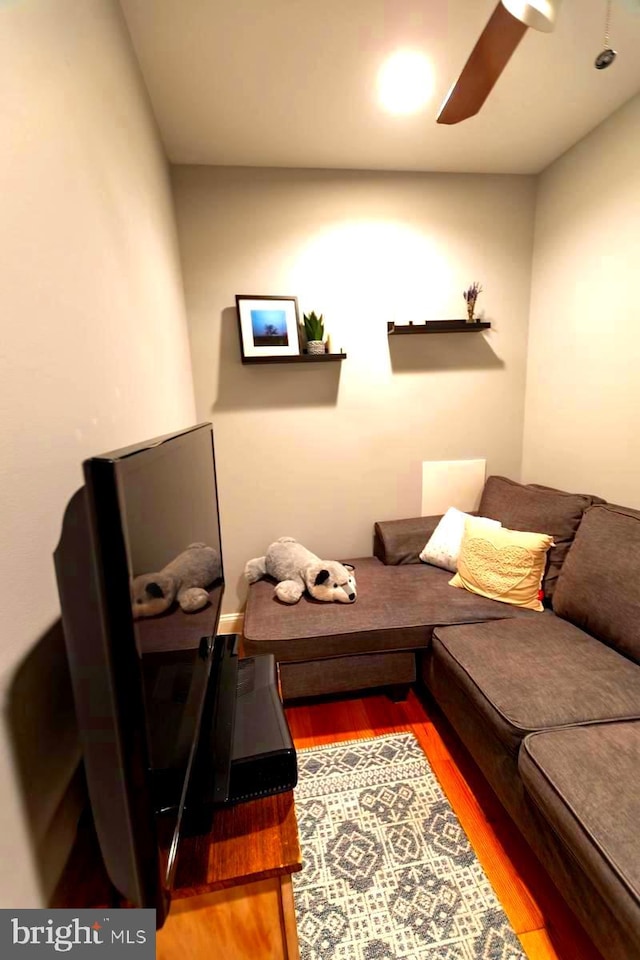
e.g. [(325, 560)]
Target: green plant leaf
[(313, 326)]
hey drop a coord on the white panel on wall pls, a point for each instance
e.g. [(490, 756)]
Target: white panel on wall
[(451, 483)]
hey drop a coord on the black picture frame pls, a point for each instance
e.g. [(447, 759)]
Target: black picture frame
[(268, 326)]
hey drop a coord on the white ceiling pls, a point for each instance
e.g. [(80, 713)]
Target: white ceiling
[(293, 82)]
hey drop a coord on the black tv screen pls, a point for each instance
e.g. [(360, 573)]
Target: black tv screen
[(140, 682)]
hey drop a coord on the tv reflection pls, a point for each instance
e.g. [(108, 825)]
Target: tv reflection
[(175, 611), (184, 580)]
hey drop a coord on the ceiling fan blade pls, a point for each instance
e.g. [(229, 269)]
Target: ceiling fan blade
[(488, 59)]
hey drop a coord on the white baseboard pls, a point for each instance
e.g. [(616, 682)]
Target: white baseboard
[(231, 623)]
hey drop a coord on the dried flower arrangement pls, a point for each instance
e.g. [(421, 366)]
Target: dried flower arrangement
[(471, 295)]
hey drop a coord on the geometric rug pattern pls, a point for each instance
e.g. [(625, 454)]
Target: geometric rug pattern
[(388, 872)]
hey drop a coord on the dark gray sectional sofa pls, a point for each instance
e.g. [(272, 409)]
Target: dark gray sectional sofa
[(547, 703)]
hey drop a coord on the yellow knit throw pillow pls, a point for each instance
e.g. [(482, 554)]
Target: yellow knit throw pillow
[(502, 564)]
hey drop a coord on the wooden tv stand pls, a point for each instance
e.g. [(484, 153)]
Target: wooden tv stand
[(233, 894)]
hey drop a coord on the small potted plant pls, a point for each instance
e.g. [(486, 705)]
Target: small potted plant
[(314, 330), (471, 295)]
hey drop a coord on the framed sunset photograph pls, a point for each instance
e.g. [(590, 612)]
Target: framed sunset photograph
[(268, 326)]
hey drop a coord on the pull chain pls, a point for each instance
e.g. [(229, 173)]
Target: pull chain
[(606, 58), (607, 24)]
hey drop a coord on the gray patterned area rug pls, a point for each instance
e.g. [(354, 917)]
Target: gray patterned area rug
[(388, 873)]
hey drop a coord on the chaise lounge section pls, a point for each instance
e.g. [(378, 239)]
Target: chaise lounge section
[(324, 648)]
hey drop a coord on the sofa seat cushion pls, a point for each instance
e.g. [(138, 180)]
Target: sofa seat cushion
[(584, 782), (396, 609), (536, 509), (599, 587), (526, 675)]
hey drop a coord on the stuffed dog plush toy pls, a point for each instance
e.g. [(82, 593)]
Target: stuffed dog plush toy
[(295, 567), (184, 580)]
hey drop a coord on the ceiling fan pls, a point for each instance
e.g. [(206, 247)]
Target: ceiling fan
[(506, 27)]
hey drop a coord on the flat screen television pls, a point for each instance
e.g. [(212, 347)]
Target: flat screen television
[(144, 687)]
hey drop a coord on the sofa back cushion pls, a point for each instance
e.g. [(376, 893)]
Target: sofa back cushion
[(599, 586), (537, 509)]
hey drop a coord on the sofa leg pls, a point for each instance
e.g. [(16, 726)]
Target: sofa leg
[(397, 692)]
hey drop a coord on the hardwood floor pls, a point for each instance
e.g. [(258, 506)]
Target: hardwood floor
[(545, 925)]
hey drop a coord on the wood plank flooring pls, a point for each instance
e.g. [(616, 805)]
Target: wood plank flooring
[(545, 925)]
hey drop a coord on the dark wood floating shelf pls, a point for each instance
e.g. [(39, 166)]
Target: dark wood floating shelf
[(301, 358), (438, 326)]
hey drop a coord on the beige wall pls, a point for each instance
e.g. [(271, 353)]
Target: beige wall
[(321, 451), (93, 354), (582, 423)]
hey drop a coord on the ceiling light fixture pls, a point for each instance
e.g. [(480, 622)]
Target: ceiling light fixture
[(405, 82)]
